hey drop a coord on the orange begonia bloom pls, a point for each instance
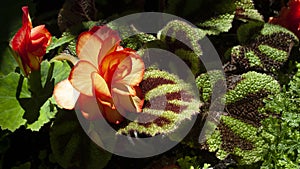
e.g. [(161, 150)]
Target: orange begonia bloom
[(30, 44), (105, 71), (289, 17)]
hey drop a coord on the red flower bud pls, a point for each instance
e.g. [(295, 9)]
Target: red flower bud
[(29, 44)]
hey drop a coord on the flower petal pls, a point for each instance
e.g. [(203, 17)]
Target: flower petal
[(40, 39), (110, 63), (125, 101), (110, 38), (112, 115), (89, 107), (88, 47), (81, 77), (101, 90), (26, 17), (131, 69), (65, 95)]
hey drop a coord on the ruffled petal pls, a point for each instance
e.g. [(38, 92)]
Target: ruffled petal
[(101, 90), (88, 47), (110, 38), (110, 63), (89, 107), (127, 98), (65, 95), (131, 70), (81, 77), (112, 115)]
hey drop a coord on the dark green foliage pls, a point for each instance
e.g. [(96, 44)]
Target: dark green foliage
[(282, 132), (71, 147)]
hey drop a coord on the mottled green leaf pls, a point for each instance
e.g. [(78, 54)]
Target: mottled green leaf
[(180, 105), (245, 10), (266, 50), (206, 82), (183, 39), (237, 132), (11, 113), (68, 17), (252, 82), (217, 25)]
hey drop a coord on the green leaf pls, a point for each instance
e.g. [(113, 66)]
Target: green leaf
[(248, 31), (206, 82), (217, 25), (188, 162), (251, 83), (71, 146), (265, 51), (181, 35), (26, 165), (68, 17), (57, 42), (54, 71), (180, 106), (7, 61), (47, 112), (246, 11), (11, 113), (238, 131), (61, 71), (41, 86)]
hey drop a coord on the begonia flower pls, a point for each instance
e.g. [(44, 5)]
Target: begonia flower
[(289, 17), (105, 71), (29, 44)]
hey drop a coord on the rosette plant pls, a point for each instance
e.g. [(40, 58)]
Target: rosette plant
[(105, 71), (29, 44)]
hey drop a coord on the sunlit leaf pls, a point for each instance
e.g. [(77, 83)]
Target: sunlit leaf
[(7, 60), (11, 113), (58, 42), (47, 112), (217, 25)]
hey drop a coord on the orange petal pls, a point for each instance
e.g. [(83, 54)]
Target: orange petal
[(110, 63), (40, 38), (88, 47), (89, 107), (124, 101), (81, 77), (65, 95), (112, 115), (34, 62), (110, 38), (130, 71), (101, 89)]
